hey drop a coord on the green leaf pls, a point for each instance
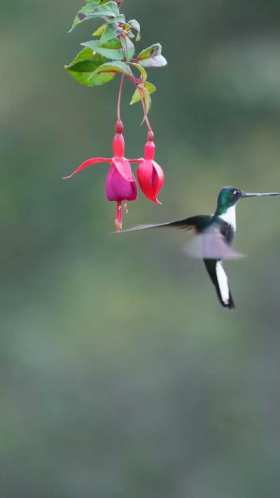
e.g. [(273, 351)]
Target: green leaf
[(150, 87), (151, 56), (111, 50), (142, 71), (99, 31), (117, 19), (86, 66), (99, 79), (143, 92), (85, 56), (115, 67), (149, 52), (128, 48), (94, 10), (109, 33), (136, 97), (83, 69)]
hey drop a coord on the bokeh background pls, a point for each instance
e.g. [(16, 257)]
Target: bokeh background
[(121, 377)]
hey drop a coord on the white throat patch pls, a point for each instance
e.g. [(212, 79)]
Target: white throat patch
[(230, 217)]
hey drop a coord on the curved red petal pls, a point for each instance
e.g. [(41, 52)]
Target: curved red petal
[(86, 164), (160, 174), (124, 168), (151, 179)]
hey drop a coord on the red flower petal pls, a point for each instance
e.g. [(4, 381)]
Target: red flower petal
[(151, 179), (160, 174), (119, 189), (87, 163)]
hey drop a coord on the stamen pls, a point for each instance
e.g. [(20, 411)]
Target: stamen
[(118, 220)]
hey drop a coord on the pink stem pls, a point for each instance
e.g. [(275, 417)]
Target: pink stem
[(87, 163), (120, 97), (146, 119)]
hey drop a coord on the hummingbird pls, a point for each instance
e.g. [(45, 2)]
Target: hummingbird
[(214, 235)]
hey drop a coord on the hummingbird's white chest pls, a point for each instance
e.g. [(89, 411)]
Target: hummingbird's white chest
[(230, 217)]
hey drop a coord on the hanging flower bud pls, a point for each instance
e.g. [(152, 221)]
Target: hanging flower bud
[(149, 173)]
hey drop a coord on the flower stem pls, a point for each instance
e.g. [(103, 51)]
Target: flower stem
[(119, 100), (146, 118)]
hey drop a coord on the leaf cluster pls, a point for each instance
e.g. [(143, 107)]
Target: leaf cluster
[(112, 51)]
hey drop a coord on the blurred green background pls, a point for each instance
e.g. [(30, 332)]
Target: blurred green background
[(121, 377)]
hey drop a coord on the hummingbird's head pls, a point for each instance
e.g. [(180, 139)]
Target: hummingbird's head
[(229, 196)]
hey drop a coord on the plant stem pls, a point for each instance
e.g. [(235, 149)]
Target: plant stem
[(120, 93), (146, 119)]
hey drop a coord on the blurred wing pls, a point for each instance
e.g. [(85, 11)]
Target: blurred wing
[(138, 228), (194, 222), (210, 245)]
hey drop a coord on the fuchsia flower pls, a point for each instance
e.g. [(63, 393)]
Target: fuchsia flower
[(120, 184), (149, 173)]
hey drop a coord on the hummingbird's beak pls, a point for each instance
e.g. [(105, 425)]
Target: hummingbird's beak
[(258, 194)]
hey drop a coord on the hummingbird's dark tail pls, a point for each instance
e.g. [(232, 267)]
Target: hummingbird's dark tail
[(219, 278)]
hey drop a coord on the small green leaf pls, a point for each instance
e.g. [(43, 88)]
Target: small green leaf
[(117, 19), (113, 49), (128, 48), (110, 50), (115, 67), (109, 34), (150, 87), (92, 79), (141, 70), (136, 97), (149, 52), (143, 92), (83, 69), (151, 56), (86, 66), (94, 9), (99, 79), (86, 56), (99, 31)]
